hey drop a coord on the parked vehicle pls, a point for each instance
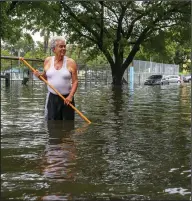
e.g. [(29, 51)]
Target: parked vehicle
[(156, 80), (173, 78), (187, 78)]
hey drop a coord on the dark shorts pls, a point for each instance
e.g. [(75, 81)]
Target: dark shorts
[(57, 110)]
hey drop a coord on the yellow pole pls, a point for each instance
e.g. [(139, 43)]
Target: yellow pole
[(25, 62)]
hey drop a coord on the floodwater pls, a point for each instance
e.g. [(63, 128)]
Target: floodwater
[(137, 148)]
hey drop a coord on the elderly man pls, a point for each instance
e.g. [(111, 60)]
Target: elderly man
[(61, 72)]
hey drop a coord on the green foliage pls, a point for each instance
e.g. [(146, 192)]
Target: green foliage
[(5, 53), (5, 63), (117, 30), (145, 26), (83, 57), (21, 46), (37, 53), (11, 26), (175, 51), (99, 62)]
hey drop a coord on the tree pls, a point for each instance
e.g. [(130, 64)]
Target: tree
[(117, 29), (122, 25), (5, 64), (19, 16), (11, 27), (24, 44)]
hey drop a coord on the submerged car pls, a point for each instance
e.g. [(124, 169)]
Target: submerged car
[(187, 78), (156, 80), (173, 78)]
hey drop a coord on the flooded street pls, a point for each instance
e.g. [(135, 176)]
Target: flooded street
[(137, 147)]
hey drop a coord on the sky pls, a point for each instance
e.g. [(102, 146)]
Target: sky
[(37, 37)]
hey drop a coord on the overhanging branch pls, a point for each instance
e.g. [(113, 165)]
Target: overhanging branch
[(81, 34), (85, 25)]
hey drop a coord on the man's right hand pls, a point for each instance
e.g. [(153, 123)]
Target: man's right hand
[(36, 73)]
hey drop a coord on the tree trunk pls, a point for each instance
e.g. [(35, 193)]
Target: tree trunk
[(117, 76), (46, 40)]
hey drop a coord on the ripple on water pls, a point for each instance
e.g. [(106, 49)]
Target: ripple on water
[(137, 147)]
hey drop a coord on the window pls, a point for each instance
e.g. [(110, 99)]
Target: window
[(155, 77)]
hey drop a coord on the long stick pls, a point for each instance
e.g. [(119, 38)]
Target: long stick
[(42, 78)]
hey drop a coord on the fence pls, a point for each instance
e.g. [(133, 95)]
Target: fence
[(142, 70), (17, 70)]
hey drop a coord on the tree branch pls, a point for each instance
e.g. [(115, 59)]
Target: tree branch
[(81, 34), (118, 33), (84, 24), (130, 29), (102, 24), (12, 6), (148, 30), (112, 10)]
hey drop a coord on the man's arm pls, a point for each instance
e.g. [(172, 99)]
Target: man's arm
[(42, 75), (72, 66), (46, 66)]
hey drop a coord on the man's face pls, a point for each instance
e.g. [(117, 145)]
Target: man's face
[(60, 48)]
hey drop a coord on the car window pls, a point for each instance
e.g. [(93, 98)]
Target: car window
[(173, 76), (155, 77)]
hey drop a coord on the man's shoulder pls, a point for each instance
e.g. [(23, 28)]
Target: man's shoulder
[(70, 60), (71, 64), (47, 63), (48, 58)]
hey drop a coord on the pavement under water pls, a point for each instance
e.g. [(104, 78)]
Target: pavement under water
[(136, 148)]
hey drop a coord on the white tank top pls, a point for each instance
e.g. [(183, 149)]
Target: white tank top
[(59, 79)]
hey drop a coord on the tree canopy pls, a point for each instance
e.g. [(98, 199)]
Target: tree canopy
[(118, 30)]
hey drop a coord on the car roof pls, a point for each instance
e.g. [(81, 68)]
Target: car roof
[(155, 75), (170, 75)]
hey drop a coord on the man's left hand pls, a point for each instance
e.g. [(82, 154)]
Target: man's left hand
[(68, 100)]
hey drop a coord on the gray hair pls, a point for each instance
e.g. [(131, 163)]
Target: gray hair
[(54, 39)]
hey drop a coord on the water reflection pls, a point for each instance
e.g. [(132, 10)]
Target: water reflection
[(59, 158), (117, 97)]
